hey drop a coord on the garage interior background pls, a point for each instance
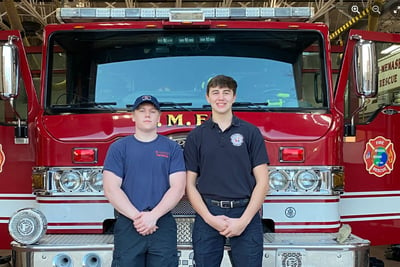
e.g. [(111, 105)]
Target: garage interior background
[(30, 16)]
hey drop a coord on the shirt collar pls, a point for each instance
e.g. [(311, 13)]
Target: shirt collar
[(211, 124)]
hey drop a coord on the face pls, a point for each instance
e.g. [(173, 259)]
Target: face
[(146, 117), (221, 99)]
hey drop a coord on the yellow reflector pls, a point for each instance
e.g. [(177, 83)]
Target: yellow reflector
[(37, 181), (338, 181)]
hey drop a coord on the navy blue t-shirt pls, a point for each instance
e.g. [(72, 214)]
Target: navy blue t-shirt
[(144, 168), (224, 161)]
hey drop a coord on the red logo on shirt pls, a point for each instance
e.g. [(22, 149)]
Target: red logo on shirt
[(162, 154)]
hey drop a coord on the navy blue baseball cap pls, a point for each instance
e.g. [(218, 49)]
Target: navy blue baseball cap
[(146, 99)]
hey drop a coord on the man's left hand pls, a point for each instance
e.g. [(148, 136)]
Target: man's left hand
[(235, 227), (145, 223)]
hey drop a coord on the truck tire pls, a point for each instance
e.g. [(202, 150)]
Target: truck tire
[(5, 261), (393, 252), (374, 262)]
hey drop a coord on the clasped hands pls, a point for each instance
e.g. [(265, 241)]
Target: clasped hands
[(145, 223), (226, 226)]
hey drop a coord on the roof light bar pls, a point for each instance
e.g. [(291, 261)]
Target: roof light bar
[(183, 14), (186, 15)]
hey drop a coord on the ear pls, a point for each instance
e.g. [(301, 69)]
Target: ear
[(208, 99)]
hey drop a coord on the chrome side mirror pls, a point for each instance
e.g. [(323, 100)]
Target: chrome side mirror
[(9, 69), (365, 68)]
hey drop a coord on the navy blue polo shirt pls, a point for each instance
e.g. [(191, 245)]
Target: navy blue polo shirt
[(224, 160)]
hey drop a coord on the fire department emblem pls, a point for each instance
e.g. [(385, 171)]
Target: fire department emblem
[(379, 156), (2, 158), (237, 139)]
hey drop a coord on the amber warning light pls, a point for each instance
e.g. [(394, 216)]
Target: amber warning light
[(84, 155), (291, 154)]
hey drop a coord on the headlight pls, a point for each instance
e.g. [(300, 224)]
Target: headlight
[(299, 180), (96, 181), (306, 180), (70, 181), (278, 180)]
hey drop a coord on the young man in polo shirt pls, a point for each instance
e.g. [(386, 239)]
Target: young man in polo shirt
[(144, 178), (226, 182)]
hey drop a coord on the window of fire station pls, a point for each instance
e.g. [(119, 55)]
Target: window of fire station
[(336, 61), (34, 56), (104, 71), (388, 56)]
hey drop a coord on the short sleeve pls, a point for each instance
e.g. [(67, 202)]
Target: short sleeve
[(191, 153), (114, 161), (258, 153), (177, 160)]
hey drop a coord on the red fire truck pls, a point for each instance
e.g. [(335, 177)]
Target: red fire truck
[(331, 137)]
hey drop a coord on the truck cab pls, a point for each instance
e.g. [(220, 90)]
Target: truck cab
[(54, 137)]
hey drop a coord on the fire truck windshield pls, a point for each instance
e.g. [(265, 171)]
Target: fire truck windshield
[(103, 71)]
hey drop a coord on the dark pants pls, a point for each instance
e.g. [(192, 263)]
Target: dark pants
[(208, 244), (134, 250)]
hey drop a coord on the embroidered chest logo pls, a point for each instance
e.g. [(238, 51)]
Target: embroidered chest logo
[(2, 158), (379, 156), (237, 139), (162, 154)]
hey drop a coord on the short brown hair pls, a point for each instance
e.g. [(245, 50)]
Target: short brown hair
[(222, 81)]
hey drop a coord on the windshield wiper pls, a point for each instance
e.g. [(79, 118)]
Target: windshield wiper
[(86, 105), (250, 104), (175, 105), (246, 104)]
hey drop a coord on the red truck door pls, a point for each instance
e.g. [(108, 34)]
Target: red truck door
[(16, 152), (371, 200)]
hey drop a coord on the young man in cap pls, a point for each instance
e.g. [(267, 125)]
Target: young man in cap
[(227, 181), (144, 178)]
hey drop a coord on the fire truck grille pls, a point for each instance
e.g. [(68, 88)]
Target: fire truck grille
[(184, 226), (179, 138), (184, 208)]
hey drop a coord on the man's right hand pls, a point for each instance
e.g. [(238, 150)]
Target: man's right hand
[(218, 222), (145, 223)]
